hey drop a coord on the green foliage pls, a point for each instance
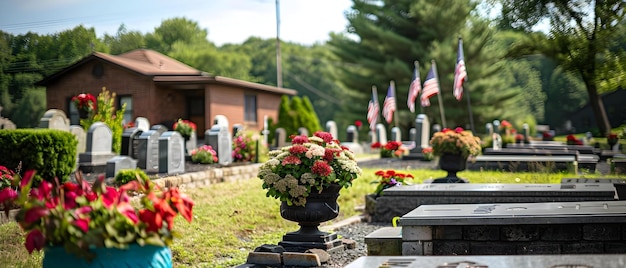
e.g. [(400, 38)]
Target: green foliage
[(106, 113), (127, 175), (204, 154), (51, 152), (286, 118)]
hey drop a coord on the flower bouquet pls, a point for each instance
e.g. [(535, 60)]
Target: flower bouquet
[(391, 149), (84, 218), (457, 141), (184, 127), (428, 153), (204, 155), (85, 104), (309, 164), (389, 178)]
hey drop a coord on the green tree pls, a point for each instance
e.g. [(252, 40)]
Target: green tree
[(124, 40), (175, 30), (286, 119), (312, 122), (579, 40)]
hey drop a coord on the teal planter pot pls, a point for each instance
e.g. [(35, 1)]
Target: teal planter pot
[(133, 256)]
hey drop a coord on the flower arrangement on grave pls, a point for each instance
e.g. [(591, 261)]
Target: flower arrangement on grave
[(358, 124), (204, 154), (546, 136), (612, 139), (572, 140), (392, 149), (9, 182), (389, 178), (519, 138), (457, 141), (506, 128), (85, 102), (428, 153), (81, 217), (184, 127), (376, 145), (308, 164), (130, 124), (244, 147)]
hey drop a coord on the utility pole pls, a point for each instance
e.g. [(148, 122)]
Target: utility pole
[(279, 71)]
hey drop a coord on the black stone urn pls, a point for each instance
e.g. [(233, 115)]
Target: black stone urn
[(319, 207), (83, 113), (452, 163)]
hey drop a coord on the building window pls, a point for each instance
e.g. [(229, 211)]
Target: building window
[(250, 108), (128, 113), (74, 119)]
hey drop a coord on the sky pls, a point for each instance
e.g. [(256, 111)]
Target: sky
[(227, 21)]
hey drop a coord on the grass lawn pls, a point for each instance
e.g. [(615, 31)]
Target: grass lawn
[(232, 219)]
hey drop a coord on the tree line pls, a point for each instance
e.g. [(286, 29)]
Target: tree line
[(515, 72)]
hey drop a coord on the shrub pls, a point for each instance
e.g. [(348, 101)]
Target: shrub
[(204, 155), (127, 175)]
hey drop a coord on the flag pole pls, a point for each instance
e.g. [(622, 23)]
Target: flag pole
[(416, 66), (441, 111), (469, 108), (375, 97), (392, 84)]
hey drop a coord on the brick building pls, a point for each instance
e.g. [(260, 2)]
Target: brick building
[(163, 90)]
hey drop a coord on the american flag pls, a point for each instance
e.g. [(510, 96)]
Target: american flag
[(372, 111), (389, 105), (460, 74), (414, 89), (431, 87)]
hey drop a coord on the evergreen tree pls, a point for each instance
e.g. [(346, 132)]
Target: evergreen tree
[(285, 117), (391, 36), (312, 122)]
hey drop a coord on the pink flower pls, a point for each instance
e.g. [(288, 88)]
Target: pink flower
[(327, 137), (298, 149), (7, 194), (82, 224), (301, 139)]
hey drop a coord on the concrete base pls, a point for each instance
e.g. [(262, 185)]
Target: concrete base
[(386, 241)]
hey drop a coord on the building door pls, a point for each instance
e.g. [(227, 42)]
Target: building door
[(195, 109)]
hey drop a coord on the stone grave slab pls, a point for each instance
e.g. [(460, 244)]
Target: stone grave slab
[(148, 151), (482, 261), (98, 149), (524, 163), (400, 200), (55, 119), (142, 123), (128, 141), (117, 163), (171, 153), (588, 227), (221, 141)]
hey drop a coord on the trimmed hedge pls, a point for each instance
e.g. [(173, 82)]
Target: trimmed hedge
[(52, 153)]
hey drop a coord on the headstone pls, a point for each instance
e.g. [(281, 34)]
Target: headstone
[(191, 143), (98, 148), (396, 134), (148, 151), (331, 127), (237, 128), (588, 138), (117, 163), (221, 141), (489, 128), (422, 132), (281, 137), (436, 128), (265, 131), (372, 137), (496, 141), (5, 123), (352, 134), (55, 119), (81, 136), (496, 125), (171, 153), (128, 141), (221, 120), (381, 132), (302, 131), (159, 128), (526, 129), (142, 124)]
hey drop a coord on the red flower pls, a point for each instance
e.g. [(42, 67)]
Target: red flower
[(153, 220), (34, 240), (85, 101), (298, 149), (291, 160), (327, 137), (300, 139), (82, 224), (181, 203), (376, 145), (321, 168), (358, 123)]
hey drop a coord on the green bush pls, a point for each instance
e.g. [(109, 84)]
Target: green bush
[(127, 175), (204, 155), (52, 153)]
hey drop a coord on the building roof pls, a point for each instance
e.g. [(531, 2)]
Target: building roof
[(163, 69)]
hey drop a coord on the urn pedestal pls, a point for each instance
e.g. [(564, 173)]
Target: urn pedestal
[(452, 163), (319, 207)]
